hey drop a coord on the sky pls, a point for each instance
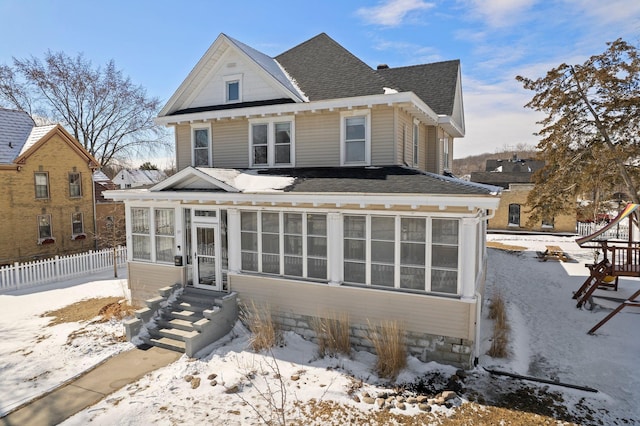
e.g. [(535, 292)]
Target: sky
[(157, 43)]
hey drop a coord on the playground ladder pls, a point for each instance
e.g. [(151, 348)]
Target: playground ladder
[(591, 284)]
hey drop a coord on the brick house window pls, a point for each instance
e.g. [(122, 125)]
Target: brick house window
[(75, 185), (77, 224), (42, 185), (44, 229)]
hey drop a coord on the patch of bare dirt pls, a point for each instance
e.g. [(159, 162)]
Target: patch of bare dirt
[(99, 310), (505, 247)]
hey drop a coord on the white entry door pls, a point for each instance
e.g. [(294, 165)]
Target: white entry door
[(206, 257)]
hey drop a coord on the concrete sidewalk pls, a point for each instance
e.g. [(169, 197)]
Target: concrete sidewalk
[(90, 387)]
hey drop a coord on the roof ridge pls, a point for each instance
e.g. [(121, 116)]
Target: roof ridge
[(419, 65)]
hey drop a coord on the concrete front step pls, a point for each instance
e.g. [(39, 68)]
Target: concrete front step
[(177, 323), (175, 333), (170, 344), (186, 315), (189, 306)]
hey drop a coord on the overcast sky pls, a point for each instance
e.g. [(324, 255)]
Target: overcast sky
[(157, 43)]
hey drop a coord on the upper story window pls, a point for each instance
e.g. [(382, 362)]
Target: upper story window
[(271, 142), (201, 146), (75, 184), (445, 153), (42, 184), (233, 88), (355, 137)]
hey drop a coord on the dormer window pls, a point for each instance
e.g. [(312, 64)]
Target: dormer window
[(233, 88)]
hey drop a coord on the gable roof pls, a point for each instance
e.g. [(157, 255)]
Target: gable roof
[(323, 69), (15, 128), (434, 83), (142, 177)]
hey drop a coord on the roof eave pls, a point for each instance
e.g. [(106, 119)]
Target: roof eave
[(416, 105), (451, 126)]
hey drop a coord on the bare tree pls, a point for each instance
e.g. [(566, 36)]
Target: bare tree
[(106, 112)]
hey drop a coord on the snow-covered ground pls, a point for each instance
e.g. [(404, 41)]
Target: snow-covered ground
[(548, 340)]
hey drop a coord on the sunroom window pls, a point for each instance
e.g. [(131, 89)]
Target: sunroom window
[(140, 234), (164, 233), (444, 255)]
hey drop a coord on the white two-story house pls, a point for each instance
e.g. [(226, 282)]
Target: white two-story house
[(318, 185)]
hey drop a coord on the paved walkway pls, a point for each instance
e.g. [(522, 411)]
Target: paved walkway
[(91, 387)]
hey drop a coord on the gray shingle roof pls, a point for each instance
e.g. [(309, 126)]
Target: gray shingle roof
[(323, 69), (15, 127), (377, 180), (434, 83)]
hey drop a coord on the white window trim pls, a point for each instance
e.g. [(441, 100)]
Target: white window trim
[(200, 126), (271, 140), (73, 234), (367, 137), (230, 79), (177, 232), (416, 142)]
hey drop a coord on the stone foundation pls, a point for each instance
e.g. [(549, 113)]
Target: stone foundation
[(425, 347)]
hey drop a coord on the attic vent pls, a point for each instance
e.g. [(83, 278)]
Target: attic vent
[(231, 65), (383, 66)]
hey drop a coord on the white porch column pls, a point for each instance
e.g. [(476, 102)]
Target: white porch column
[(233, 241), (334, 248), (468, 247)]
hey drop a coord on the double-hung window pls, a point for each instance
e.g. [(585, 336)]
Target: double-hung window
[(287, 244), (42, 185), (75, 185), (164, 233), (444, 255), (44, 227), (271, 142), (355, 136), (141, 233), (201, 143), (77, 223), (514, 214)]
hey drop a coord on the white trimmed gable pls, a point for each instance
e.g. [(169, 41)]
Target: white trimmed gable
[(261, 78)]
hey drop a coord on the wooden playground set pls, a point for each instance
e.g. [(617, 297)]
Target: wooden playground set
[(621, 259)]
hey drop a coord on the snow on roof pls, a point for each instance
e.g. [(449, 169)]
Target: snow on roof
[(36, 134), (248, 180)]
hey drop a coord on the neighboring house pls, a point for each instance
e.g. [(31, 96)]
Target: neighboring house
[(110, 219), (46, 192), (311, 183), (515, 176), (138, 178)]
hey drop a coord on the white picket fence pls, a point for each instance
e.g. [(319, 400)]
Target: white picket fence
[(618, 232), (38, 272)]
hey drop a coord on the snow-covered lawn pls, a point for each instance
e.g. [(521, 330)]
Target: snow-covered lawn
[(548, 340)]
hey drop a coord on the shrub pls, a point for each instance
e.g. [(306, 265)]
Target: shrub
[(264, 333), (333, 334), (388, 341)]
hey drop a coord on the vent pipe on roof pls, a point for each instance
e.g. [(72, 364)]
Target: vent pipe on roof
[(383, 66)]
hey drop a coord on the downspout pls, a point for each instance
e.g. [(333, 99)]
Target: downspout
[(478, 328), (95, 215)]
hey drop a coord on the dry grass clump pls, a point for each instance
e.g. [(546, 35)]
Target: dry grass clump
[(388, 341), (106, 308), (257, 318), (500, 339), (333, 334)]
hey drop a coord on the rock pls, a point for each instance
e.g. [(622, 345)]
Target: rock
[(422, 398), (439, 400), (424, 407), (212, 376), (365, 395), (448, 395), (401, 406), (188, 378), (380, 402), (383, 395), (232, 389), (390, 400), (400, 398), (295, 377), (356, 398), (368, 400), (195, 382), (412, 400), (213, 383)]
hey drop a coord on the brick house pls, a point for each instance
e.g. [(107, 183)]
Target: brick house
[(46, 190)]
